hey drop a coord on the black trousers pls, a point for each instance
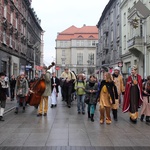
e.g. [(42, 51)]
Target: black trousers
[(67, 93), (12, 90)]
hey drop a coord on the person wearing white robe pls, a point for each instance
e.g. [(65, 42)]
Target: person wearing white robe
[(55, 91)]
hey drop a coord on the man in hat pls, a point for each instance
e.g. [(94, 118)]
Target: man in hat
[(68, 78), (133, 94), (118, 80), (3, 94)]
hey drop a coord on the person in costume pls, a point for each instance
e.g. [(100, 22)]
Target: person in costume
[(3, 95), (107, 96), (145, 111), (21, 91), (118, 80), (54, 86), (91, 91), (44, 98), (133, 94)]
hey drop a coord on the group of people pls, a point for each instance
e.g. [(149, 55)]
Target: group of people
[(106, 93)]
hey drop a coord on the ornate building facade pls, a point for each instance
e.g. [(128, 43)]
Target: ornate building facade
[(20, 37), (109, 45)]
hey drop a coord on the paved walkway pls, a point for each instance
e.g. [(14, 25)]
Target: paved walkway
[(63, 128)]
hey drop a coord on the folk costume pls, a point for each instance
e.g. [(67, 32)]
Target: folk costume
[(54, 86), (133, 96), (3, 93), (91, 91), (44, 98), (107, 96), (21, 91), (118, 80), (145, 111)]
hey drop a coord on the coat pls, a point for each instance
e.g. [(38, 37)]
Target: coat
[(47, 78), (92, 96), (3, 90), (22, 84)]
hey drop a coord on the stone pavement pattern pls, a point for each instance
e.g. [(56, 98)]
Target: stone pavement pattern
[(63, 128)]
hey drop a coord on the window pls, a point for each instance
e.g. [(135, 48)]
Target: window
[(111, 17), (112, 36), (91, 59), (4, 37), (124, 19), (21, 28), (4, 66), (93, 43), (79, 58), (124, 42), (82, 43), (61, 44), (78, 43), (5, 11), (63, 52), (16, 23), (118, 31), (10, 40), (11, 18)]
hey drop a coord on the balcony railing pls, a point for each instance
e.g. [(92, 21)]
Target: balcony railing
[(135, 41)]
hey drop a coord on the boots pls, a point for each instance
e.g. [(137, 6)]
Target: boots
[(92, 117), (114, 111), (23, 109), (1, 114), (148, 119), (89, 115), (1, 118), (16, 111), (142, 117)]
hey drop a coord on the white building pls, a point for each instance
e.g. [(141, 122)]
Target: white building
[(76, 48)]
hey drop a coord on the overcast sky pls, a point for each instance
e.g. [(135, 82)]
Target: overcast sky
[(58, 15)]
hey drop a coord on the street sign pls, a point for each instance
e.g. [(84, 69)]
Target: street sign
[(57, 67)]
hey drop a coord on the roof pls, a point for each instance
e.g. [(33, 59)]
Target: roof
[(73, 32)]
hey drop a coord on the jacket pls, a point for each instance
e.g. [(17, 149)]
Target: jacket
[(56, 82), (80, 87), (92, 96)]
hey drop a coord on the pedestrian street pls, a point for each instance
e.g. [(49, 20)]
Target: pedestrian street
[(64, 128)]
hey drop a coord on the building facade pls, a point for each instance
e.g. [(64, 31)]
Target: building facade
[(76, 48), (135, 37), (20, 38), (109, 45)]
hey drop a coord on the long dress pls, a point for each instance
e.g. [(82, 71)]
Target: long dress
[(54, 97)]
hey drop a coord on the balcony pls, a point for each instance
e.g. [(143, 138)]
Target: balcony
[(135, 46)]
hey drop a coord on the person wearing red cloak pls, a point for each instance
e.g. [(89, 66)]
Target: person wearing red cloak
[(133, 94)]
